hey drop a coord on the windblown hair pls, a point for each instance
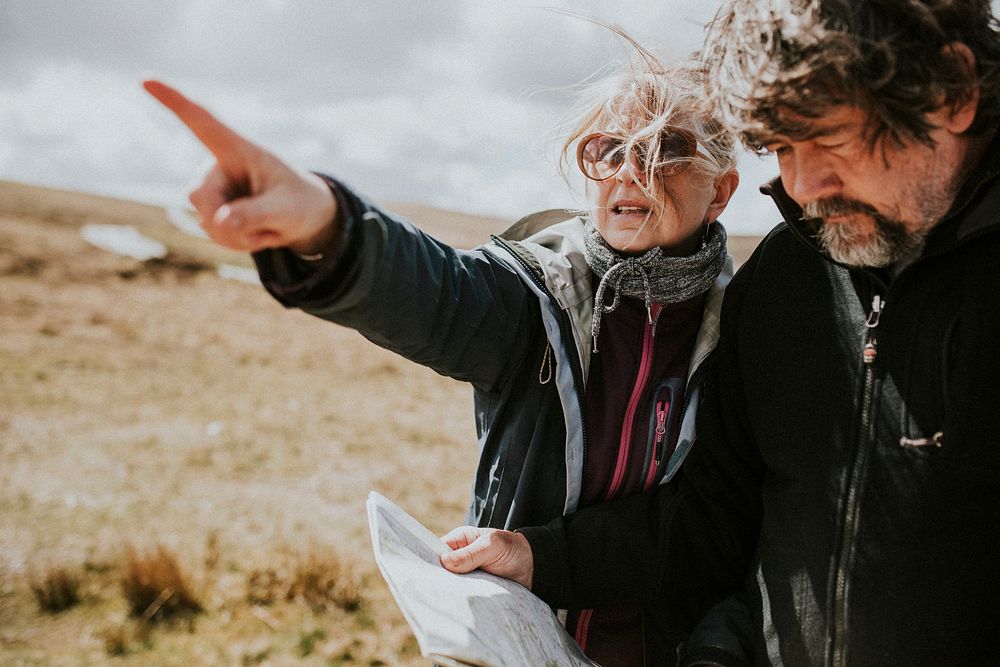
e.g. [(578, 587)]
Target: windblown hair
[(642, 99), (775, 65)]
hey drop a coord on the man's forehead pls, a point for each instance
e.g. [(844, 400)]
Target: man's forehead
[(838, 120)]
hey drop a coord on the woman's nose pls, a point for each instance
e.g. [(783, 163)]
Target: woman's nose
[(632, 170)]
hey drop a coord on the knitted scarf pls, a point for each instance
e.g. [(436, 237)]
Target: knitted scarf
[(652, 276)]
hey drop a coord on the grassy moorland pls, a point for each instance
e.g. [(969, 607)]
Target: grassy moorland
[(184, 463)]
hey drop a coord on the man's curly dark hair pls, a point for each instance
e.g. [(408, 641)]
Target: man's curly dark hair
[(775, 65)]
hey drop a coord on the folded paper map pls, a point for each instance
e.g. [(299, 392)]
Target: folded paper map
[(470, 619)]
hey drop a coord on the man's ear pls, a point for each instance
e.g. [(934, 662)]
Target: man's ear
[(958, 116), (725, 186)]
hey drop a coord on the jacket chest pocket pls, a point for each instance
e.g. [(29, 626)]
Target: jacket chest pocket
[(668, 402), (921, 373)]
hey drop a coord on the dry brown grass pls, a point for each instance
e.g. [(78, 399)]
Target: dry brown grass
[(155, 587), (115, 639), (318, 578), (57, 589), (169, 406), (322, 579)]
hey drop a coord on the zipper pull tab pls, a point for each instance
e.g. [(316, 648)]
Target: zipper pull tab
[(654, 316), (661, 431), (873, 317), (870, 351)]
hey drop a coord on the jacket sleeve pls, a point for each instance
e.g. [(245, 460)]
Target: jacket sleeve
[(689, 542), (460, 312)]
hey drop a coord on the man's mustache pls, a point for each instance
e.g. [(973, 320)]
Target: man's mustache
[(837, 205)]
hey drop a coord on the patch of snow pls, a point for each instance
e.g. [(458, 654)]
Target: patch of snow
[(240, 273), (186, 221), (123, 240)]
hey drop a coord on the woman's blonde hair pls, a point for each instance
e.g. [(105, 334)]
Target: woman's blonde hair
[(640, 102)]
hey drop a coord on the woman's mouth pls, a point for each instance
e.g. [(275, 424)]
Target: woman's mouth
[(627, 209)]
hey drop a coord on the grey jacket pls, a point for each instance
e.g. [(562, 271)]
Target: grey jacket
[(512, 317)]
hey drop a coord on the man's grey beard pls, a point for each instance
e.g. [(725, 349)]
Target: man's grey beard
[(890, 242)]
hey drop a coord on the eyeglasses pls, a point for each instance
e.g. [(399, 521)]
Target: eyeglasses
[(601, 156)]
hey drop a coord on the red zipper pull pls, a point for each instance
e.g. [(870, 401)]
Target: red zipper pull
[(661, 430), (870, 351)]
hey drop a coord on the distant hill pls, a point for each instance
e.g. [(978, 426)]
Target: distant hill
[(458, 229), (65, 207)]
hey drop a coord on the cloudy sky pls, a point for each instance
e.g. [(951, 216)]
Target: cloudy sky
[(452, 103)]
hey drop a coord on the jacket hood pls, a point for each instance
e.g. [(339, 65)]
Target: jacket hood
[(973, 211), (536, 222)]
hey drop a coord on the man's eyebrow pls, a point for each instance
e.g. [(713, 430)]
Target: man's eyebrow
[(761, 139), (804, 134), (829, 130)]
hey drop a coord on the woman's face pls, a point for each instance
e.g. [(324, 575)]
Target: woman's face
[(676, 219)]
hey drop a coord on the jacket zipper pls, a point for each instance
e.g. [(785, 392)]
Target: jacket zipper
[(564, 334), (625, 441), (659, 441), (858, 469), (583, 621), (642, 378), (660, 430)]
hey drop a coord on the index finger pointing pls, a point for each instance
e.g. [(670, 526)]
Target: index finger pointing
[(226, 145)]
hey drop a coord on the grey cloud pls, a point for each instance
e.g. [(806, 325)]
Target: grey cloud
[(547, 48), (100, 31), (308, 48), (317, 49), (446, 102)]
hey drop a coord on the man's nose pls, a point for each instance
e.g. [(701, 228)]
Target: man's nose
[(808, 176)]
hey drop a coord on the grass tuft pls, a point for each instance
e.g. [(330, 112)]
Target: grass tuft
[(213, 553), (321, 579), (265, 586), (318, 578), (308, 641), (115, 639), (155, 587), (56, 590)]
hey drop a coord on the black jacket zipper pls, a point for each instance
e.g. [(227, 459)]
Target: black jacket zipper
[(859, 468)]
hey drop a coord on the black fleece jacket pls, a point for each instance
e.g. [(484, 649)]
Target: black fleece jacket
[(859, 503)]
